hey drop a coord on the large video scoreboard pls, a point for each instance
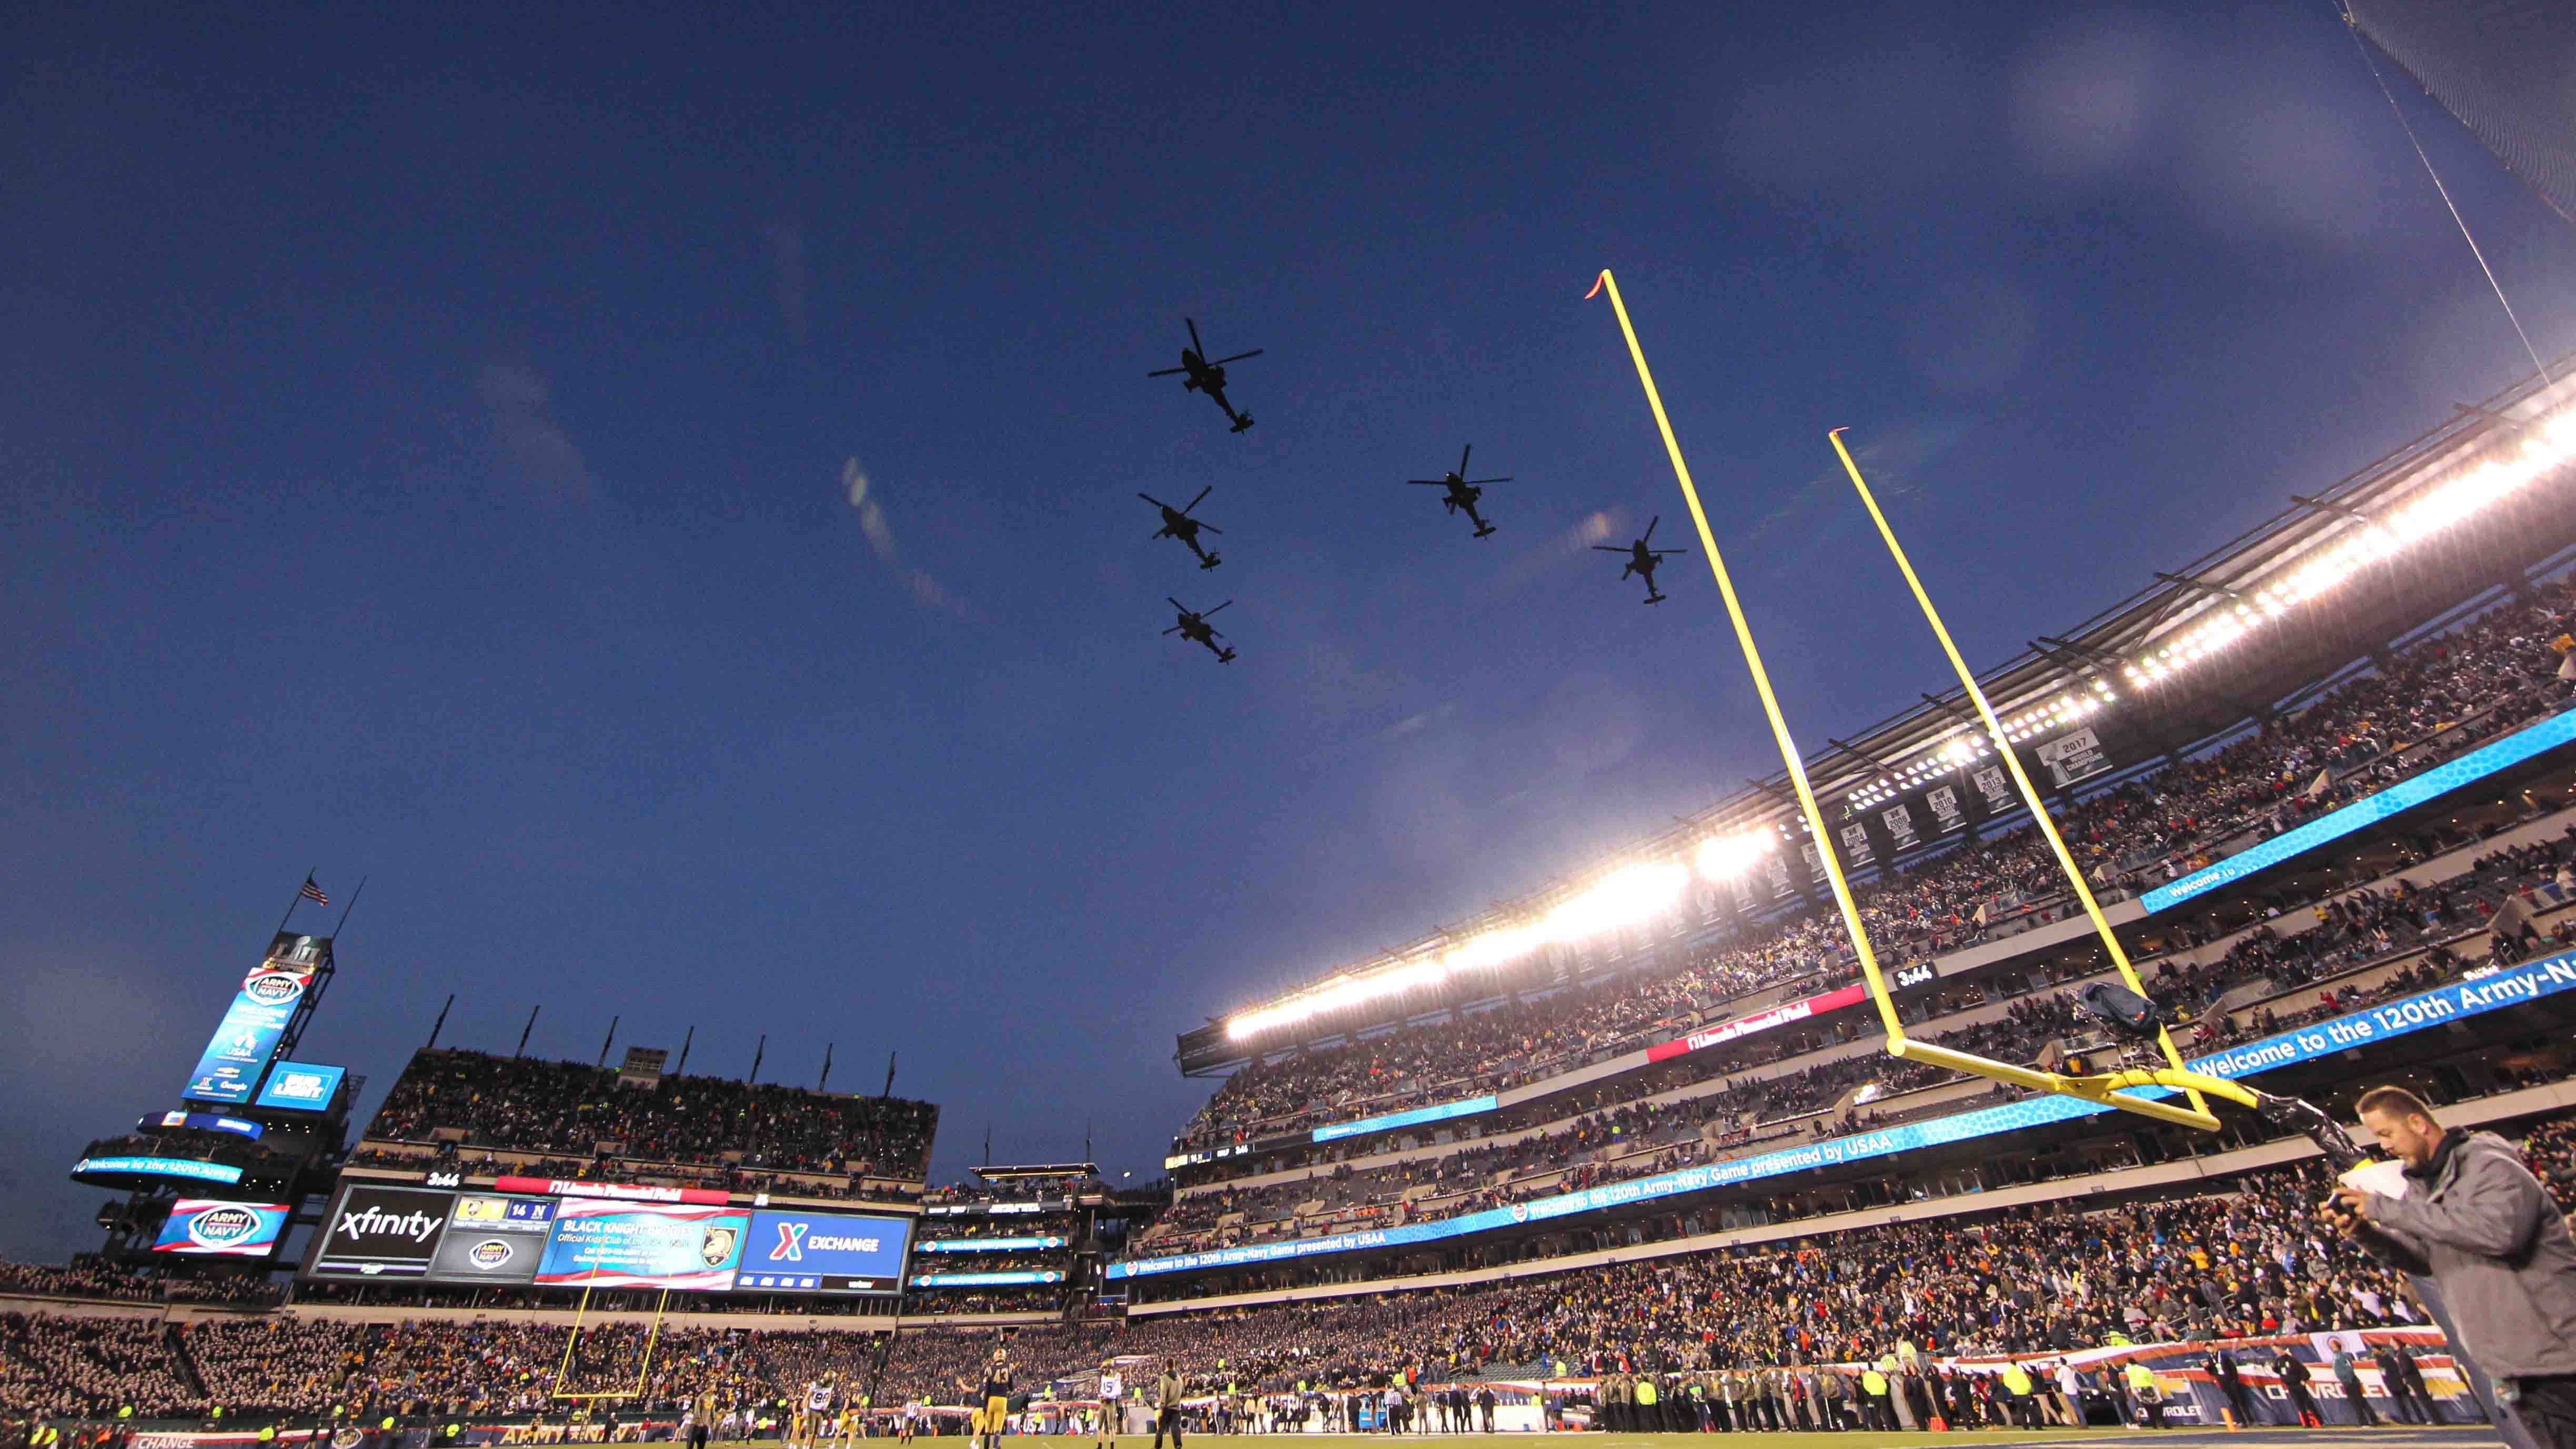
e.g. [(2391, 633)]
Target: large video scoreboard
[(636, 1238)]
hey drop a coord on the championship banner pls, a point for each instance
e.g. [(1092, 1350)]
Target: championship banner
[(1815, 862), (1856, 845), (2074, 757), (1946, 815), (643, 1245), (1900, 827), (1779, 872), (1997, 790), (1744, 1026)]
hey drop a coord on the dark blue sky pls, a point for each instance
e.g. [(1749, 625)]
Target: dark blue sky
[(428, 451)]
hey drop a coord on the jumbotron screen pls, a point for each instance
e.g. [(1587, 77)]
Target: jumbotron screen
[(378, 1231)]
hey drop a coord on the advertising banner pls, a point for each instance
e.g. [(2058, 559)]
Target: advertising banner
[(1744, 1026), (228, 1072), (987, 1245), (381, 1232), (493, 1238), (186, 1168), (2468, 769), (301, 1087), (1467, 1107), (799, 1252), (644, 1245), (203, 1122), (984, 1280), (2460, 999), (617, 1191), (204, 1227)]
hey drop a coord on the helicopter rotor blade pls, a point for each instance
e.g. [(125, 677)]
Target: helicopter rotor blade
[(1175, 629), (1150, 498), (1606, 548), (1175, 603), (1238, 357), (1168, 372), (1195, 502), (1195, 344), (1210, 528), (1462, 458), (1428, 482), (1477, 482), (1218, 608), (1650, 528)]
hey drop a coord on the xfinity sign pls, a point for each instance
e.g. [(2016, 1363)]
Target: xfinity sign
[(381, 1232)]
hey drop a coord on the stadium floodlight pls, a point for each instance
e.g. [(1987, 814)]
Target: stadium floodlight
[(1623, 898), (1724, 857), (2548, 445), (2104, 1088)]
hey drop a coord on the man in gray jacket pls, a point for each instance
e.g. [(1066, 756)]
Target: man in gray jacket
[(2476, 1221)]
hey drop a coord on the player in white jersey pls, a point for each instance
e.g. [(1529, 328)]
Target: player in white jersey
[(1113, 1390)]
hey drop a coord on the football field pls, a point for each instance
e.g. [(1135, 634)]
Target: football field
[(2331, 1437)]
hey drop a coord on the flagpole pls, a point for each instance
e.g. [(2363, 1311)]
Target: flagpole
[(351, 906), (290, 903)]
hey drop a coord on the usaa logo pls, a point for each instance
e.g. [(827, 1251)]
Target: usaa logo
[(223, 1227), (489, 1253), (273, 988)]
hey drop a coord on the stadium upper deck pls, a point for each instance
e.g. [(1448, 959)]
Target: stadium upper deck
[(472, 1112), (2370, 740), (2227, 643)]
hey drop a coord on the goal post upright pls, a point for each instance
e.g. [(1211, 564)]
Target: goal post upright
[(2104, 1088)]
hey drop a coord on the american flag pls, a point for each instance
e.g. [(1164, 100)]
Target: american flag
[(313, 893)]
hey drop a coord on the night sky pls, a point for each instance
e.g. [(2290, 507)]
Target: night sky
[(655, 494)]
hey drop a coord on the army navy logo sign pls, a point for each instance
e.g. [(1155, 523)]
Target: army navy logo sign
[(220, 1228)]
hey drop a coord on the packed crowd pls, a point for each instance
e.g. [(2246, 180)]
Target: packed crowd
[(568, 1109), (2464, 687), (87, 1277), (2249, 1260), (1642, 1138)]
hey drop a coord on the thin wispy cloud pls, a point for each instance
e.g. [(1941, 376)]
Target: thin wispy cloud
[(925, 590), (532, 444)]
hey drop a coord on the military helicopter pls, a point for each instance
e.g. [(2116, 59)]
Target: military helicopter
[(1642, 559), (1208, 377), (1463, 490), (1177, 523), (1194, 627)]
